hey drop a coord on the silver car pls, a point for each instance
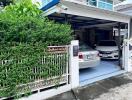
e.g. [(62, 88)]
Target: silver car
[(108, 49), (88, 57)]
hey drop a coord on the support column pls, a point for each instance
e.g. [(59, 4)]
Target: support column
[(66, 18), (119, 42), (128, 48), (74, 64)]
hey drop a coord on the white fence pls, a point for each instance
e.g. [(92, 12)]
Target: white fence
[(58, 57), (65, 78)]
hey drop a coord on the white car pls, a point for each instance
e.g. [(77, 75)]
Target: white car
[(108, 49), (88, 57)]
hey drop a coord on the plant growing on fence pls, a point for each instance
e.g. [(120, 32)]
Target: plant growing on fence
[(24, 36)]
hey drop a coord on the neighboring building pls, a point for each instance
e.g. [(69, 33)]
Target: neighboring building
[(124, 7)]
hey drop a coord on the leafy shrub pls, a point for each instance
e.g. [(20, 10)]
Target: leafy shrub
[(23, 22), (24, 35)]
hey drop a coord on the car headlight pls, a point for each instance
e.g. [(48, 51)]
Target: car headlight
[(116, 51)]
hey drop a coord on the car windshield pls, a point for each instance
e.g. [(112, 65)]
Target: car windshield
[(84, 47), (107, 43)]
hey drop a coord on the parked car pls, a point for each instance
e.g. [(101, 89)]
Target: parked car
[(88, 57), (108, 49)]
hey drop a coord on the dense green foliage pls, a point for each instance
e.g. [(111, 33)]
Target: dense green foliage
[(24, 36), (22, 23), (18, 64)]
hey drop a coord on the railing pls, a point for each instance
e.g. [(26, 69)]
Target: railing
[(58, 56)]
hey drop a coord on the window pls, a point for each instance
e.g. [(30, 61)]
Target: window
[(92, 2), (105, 4), (108, 1)]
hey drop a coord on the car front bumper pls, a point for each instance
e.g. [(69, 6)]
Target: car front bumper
[(109, 56)]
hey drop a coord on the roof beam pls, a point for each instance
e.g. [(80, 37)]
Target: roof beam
[(101, 25)]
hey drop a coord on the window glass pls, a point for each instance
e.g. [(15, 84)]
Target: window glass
[(108, 1), (106, 4), (92, 2)]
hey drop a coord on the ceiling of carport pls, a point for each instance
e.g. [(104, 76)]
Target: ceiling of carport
[(80, 22)]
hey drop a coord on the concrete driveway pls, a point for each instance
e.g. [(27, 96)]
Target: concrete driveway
[(114, 88)]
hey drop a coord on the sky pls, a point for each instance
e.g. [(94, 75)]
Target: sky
[(127, 1)]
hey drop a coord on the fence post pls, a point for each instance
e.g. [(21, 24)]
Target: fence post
[(74, 64), (128, 55)]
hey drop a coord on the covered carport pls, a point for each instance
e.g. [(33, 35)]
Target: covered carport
[(82, 18)]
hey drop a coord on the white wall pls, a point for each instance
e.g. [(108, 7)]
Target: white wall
[(86, 11), (127, 11), (127, 60)]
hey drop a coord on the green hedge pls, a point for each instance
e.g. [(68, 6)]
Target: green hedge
[(24, 34), (23, 23)]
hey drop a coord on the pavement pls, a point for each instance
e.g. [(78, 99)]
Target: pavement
[(114, 88)]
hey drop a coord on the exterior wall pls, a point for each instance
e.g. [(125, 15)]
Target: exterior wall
[(127, 10), (76, 9), (127, 52), (127, 62), (117, 1), (103, 4)]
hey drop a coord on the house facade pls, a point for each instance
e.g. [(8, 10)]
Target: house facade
[(103, 4), (92, 21)]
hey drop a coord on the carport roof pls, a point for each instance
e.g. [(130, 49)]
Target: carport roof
[(84, 22), (72, 8)]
